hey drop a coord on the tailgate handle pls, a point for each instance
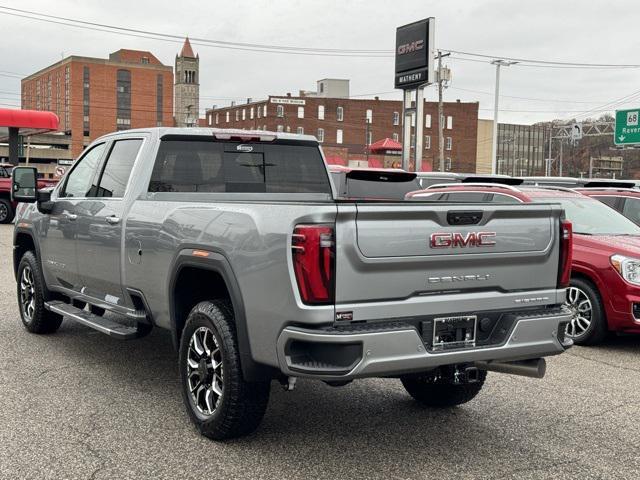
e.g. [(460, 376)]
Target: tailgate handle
[(463, 218)]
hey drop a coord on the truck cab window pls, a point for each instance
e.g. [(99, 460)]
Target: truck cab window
[(80, 182), (117, 170)]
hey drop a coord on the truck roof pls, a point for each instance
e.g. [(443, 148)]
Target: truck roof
[(208, 132)]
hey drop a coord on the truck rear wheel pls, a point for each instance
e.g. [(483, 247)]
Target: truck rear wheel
[(441, 392), (219, 401), (32, 293)]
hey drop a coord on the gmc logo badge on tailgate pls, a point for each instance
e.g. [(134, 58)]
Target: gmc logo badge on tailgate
[(459, 240)]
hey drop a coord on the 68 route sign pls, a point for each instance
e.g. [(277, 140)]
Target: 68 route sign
[(627, 131)]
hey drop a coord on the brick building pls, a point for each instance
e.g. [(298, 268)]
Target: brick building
[(340, 124), (95, 96)]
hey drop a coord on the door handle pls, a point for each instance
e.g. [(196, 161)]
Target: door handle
[(72, 216), (113, 220)]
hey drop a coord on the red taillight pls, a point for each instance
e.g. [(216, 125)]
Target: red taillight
[(313, 262), (566, 253)]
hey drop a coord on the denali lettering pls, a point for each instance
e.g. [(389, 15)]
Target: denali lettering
[(410, 47), (459, 240), (458, 278)]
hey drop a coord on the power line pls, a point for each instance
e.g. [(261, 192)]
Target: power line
[(176, 39), (291, 50), (522, 61)]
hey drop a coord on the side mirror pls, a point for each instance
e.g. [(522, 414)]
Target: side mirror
[(24, 184)]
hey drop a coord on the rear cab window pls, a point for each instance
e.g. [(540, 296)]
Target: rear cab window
[(197, 164)]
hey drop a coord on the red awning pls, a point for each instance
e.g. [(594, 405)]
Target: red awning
[(385, 144), (29, 121), (335, 160)]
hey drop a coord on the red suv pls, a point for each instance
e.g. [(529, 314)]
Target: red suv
[(624, 200), (605, 279)]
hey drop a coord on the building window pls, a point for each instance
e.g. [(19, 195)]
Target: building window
[(320, 112), (369, 137), (85, 101), (321, 87), (259, 110), (449, 122), (227, 116), (369, 116), (280, 128), (123, 92), (338, 135), (300, 112), (448, 143), (427, 121), (237, 115), (209, 119), (264, 110), (145, 60), (321, 135), (340, 114), (396, 137), (280, 111), (264, 127), (159, 99), (251, 113), (288, 129), (244, 114), (447, 164), (300, 131), (442, 120), (427, 142), (396, 118), (217, 118)]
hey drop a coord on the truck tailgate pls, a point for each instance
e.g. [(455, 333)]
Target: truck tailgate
[(390, 251)]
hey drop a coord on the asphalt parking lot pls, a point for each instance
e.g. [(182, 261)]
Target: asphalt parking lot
[(78, 404)]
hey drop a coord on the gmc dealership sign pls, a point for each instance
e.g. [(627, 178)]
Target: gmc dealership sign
[(414, 54)]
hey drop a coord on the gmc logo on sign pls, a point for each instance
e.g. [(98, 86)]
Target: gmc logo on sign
[(459, 240), (410, 47)]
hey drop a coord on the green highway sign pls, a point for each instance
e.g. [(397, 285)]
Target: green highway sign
[(627, 131)]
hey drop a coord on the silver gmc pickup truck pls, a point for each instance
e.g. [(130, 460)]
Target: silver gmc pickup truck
[(264, 268)]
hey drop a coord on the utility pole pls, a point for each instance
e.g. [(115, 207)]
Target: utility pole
[(441, 81), (547, 170), (494, 144), (366, 139)]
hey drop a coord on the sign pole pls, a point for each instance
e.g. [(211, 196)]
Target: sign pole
[(419, 135), (407, 113)]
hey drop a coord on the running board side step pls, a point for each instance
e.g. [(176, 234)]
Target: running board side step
[(101, 324)]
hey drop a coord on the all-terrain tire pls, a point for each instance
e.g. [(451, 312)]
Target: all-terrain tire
[(32, 294), (440, 393), (240, 407), (6, 211)]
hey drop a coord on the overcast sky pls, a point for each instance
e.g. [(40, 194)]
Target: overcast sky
[(572, 31)]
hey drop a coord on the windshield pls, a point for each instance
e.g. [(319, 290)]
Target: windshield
[(591, 217)]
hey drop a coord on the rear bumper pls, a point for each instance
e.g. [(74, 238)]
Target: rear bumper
[(396, 349)]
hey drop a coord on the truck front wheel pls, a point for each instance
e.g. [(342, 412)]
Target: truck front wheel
[(32, 293), (219, 401), (434, 390)]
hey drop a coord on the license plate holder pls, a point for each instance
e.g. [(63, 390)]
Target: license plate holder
[(454, 332)]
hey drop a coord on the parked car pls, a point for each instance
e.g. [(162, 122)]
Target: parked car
[(238, 243), (624, 200), (605, 279), (372, 183), (427, 179), (7, 207), (574, 182)]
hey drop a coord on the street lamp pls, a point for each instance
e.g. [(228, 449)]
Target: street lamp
[(494, 144)]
